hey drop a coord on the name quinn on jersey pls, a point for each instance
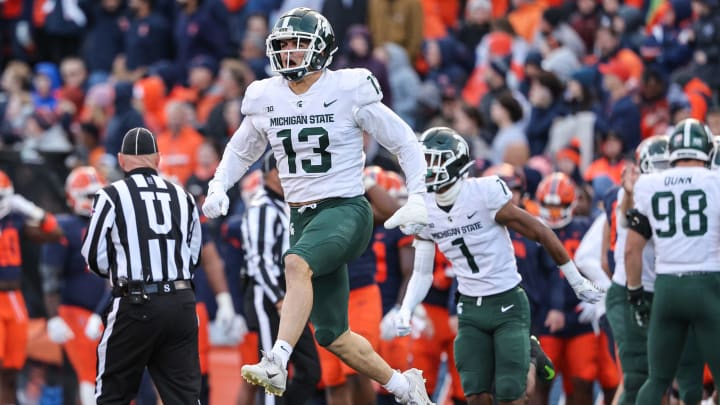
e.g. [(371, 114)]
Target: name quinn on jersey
[(456, 231)]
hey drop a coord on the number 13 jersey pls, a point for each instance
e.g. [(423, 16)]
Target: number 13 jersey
[(479, 248), (316, 136), (682, 205)]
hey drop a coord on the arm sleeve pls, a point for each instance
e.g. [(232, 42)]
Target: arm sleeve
[(397, 137), (195, 233), (497, 194), (245, 147), (259, 239), (422, 276), (587, 256), (95, 246)]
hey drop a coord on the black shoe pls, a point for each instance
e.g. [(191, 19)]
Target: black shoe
[(543, 365)]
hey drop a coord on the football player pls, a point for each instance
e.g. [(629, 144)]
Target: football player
[(679, 210), (468, 219), (18, 216), (313, 118), (74, 297)]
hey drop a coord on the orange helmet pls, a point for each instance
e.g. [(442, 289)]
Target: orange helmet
[(556, 195), (6, 190), (80, 187), (389, 180), (6, 186)]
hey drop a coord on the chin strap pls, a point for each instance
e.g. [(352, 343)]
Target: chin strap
[(449, 196)]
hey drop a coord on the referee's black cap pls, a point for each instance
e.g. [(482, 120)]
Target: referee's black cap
[(139, 141), (268, 162)]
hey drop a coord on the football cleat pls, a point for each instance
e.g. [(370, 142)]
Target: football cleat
[(269, 374)]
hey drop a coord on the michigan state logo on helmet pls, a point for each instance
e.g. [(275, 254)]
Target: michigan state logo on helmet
[(653, 155), (302, 25), (447, 156), (691, 139)]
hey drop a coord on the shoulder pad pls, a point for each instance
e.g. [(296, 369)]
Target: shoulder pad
[(253, 94), (364, 85), (497, 193)]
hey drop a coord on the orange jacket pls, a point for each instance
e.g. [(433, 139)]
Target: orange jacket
[(178, 153)]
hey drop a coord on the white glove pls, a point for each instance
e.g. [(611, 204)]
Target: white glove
[(387, 325), (587, 291), (228, 337), (587, 312), (58, 331), (217, 202), (23, 206), (402, 322), (225, 315), (411, 217), (94, 327), (420, 323)]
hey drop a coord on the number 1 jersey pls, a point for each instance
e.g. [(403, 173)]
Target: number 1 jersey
[(479, 248), (682, 205)]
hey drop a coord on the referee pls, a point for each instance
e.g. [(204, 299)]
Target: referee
[(265, 239), (144, 234)]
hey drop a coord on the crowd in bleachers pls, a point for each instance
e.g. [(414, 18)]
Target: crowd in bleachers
[(541, 85)]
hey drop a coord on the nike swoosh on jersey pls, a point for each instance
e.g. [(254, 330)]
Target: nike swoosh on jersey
[(507, 308), (328, 104), (471, 215)]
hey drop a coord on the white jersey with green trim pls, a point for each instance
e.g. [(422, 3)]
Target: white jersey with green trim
[(317, 136), (648, 256), (479, 249), (682, 205)]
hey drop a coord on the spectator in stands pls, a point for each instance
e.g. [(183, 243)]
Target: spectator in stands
[(621, 114), (105, 37), (71, 95), (148, 37), (252, 51), (344, 13), (548, 105), (403, 81), (468, 122), (124, 119), (475, 25), (358, 53), (149, 96), (611, 161), (398, 21), (608, 47), (506, 113), (42, 133), (580, 120), (232, 81), (447, 62), (46, 82), (554, 22), (706, 41), (63, 26), (585, 21), (204, 94), (178, 144), (15, 101), (666, 45), (496, 81), (654, 111), (201, 28)]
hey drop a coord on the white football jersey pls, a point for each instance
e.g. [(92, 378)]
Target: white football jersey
[(648, 257), (683, 207), (316, 137), (479, 248)]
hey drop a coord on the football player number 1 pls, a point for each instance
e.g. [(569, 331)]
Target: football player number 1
[(323, 141), (692, 204), (466, 252)]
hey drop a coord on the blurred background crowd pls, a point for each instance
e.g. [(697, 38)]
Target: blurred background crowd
[(541, 85)]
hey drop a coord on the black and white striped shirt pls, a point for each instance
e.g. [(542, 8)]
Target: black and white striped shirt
[(143, 228), (265, 239)]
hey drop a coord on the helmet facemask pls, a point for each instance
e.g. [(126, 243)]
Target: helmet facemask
[(443, 168), (316, 56)]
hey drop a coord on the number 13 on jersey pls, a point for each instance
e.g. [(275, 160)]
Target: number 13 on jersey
[(306, 135)]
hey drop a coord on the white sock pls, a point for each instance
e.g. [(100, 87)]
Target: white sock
[(398, 385), (87, 393), (283, 350)]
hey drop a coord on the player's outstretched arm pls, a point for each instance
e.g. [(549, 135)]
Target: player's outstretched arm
[(520, 221), (419, 284)]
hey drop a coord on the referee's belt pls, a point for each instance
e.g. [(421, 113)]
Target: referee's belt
[(139, 288)]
